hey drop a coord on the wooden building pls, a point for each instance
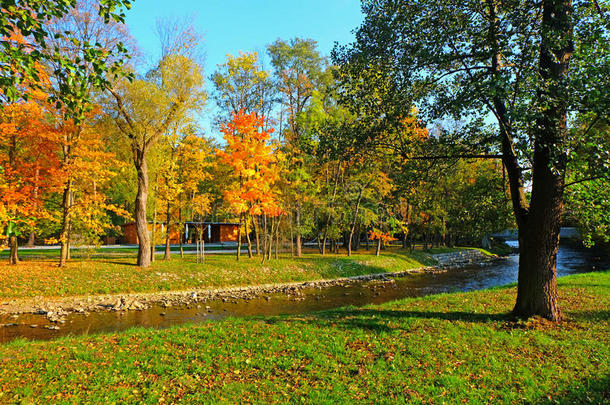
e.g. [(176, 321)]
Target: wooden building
[(214, 232)]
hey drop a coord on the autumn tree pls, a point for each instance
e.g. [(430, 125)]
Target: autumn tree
[(195, 163), (242, 84), (176, 86), (91, 170), (29, 167), (250, 156), (77, 91)]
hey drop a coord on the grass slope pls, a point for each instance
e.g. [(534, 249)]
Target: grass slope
[(447, 348), (120, 275)]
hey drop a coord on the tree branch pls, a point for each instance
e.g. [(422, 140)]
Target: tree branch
[(583, 180)]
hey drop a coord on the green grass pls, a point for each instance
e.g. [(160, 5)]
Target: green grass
[(120, 275), (99, 252), (449, 348)]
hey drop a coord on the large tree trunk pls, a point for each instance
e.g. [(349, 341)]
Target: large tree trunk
[(140, 209), (539, 233), (539, 222)]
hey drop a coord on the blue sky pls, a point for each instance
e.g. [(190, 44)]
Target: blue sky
[(233, 25)]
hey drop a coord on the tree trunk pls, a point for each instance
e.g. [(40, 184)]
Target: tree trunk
[(65, 224), (256, 228), (31, 239), (202, 249), (540, 221), (202, 244), (181, 237), (241, 217), (330, 207), (299, 247), (14, 256), (378, 247), (140, 210), (277, 236), (270, 238), (153, 233), (248, 238), (182, 227), (264, 238), (168, 250), (351, 233), (539, 231), (291, 239)]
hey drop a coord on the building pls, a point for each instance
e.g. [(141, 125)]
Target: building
[(215, 232)]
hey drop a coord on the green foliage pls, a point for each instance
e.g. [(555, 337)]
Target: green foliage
[(588, 179), (27, 40)]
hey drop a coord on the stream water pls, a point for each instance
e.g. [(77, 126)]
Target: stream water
[(570, 261)]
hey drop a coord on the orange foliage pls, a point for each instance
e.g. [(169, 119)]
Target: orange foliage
[(29, 165), (377, 234), (250, 156)]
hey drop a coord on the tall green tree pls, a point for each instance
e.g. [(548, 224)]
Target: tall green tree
[(298, 70), (506, 60)]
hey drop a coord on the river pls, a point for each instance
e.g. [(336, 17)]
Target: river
[(569, 261)]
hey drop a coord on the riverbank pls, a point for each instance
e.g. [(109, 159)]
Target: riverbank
[(446, 348), (185, 282)]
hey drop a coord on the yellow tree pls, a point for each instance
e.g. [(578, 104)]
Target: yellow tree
[(241, 84), (177, 88)]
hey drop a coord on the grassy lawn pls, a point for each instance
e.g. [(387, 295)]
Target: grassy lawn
[(120, 275), (447, 348), (99, 252)]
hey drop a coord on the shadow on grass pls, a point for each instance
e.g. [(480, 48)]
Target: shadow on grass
[(587, 391), (125, 263), (588, 315), (377, 320), (584, 285)]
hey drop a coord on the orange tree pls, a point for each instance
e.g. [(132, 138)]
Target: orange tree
[(251, 158), (29, 167), (381, 237)]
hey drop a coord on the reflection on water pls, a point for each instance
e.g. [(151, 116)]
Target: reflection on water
[(570, 261)]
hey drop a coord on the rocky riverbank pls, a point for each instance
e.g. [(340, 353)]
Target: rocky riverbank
[(56, 309)]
